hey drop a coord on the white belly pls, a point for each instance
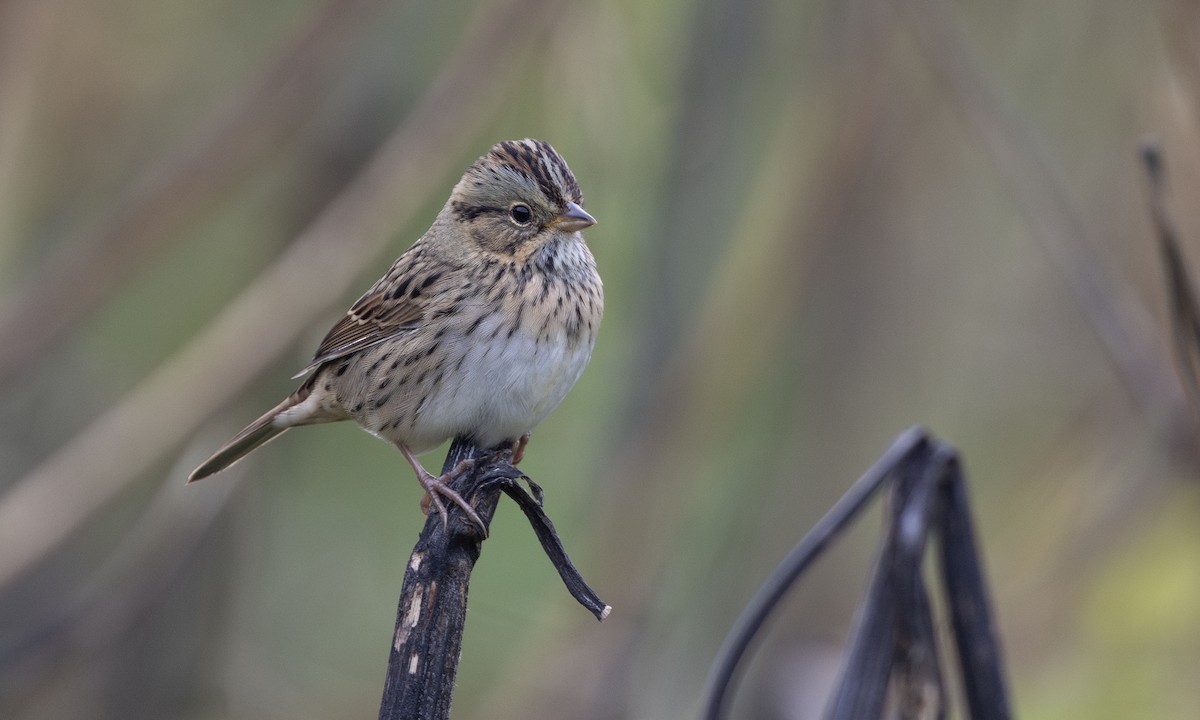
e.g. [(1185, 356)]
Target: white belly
[(504, 388)]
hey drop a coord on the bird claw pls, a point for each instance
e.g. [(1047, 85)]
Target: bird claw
[(436, 486), (519, 450)]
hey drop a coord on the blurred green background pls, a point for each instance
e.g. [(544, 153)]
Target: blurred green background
[(820, 222)]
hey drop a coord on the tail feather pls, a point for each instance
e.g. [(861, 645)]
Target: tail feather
[(254, 435)]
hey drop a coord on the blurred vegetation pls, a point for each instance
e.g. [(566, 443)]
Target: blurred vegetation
[(820, 222)]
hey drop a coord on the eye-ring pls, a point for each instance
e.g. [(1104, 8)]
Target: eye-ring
[(520, 214)]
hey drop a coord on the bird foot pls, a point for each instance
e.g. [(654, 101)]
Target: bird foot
[(436, 486), (519, 451)]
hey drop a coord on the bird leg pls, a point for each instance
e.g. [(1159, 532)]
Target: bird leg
[(519, 452), (435, 486)]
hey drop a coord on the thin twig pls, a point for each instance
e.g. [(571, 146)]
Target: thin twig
[(895, 594), (531, 505), (1181, 292), (967, 596), (746, 628), (1121, 321)]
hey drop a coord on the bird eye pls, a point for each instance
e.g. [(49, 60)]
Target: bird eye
[(521, 214)]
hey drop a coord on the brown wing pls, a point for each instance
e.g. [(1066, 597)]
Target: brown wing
[(396, 304)]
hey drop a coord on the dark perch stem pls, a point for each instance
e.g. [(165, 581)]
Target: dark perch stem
[(431, 614), (432, 611)]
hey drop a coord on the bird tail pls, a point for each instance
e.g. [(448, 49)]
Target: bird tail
[(255, 434)]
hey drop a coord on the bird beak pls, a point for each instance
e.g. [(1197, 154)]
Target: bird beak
[(575, 218)]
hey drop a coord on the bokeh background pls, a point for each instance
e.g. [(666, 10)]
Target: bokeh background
[(821, 222)]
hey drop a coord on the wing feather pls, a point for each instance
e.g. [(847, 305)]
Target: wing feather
[(397, 304)]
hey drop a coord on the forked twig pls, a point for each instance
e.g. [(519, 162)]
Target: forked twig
[(894, 643)]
